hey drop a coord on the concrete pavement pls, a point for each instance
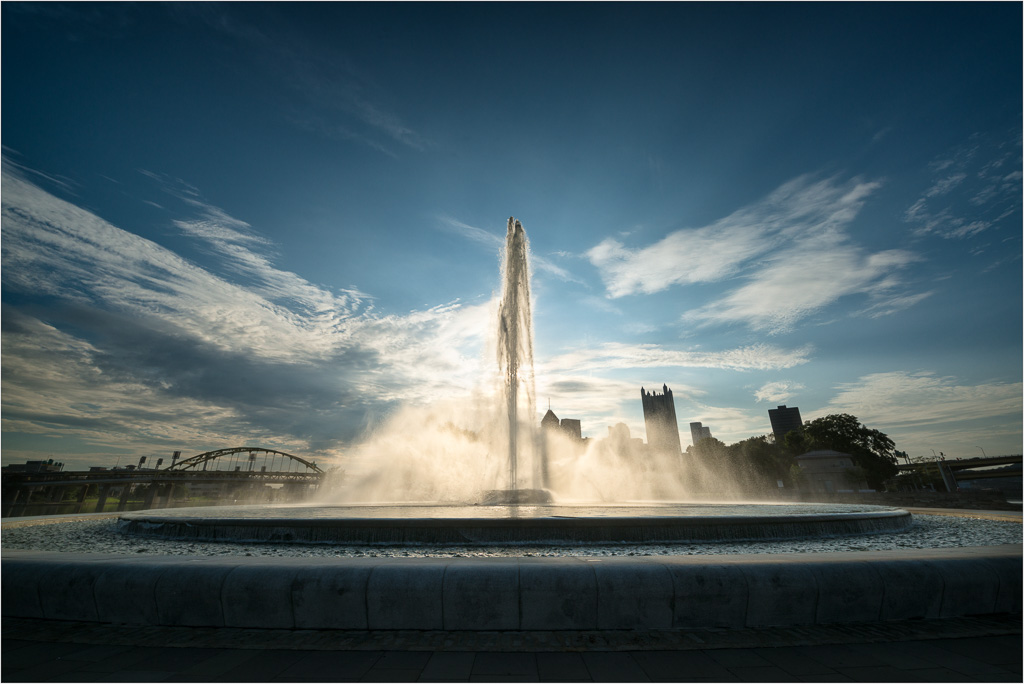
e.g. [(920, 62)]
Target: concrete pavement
[(955, 649)]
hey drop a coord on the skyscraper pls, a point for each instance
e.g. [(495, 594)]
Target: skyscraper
[(699, 432), (571, 427), (660, 420), (784, 420)]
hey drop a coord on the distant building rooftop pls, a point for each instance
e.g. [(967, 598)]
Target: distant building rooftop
[(47, 466)]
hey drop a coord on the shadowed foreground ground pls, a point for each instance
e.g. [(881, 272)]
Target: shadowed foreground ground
[(957, 649)]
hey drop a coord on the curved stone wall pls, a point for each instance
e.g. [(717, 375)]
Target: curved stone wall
[(490, 531), (513, 593)]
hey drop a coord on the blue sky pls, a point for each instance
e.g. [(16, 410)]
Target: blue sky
[(274, 224)]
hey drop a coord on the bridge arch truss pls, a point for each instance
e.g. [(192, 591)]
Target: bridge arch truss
[(202, 461)]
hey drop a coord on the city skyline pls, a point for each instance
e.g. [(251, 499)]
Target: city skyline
[(274, 224)]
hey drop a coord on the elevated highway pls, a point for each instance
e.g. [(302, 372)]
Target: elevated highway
[(221, 470), (965, 463), (964, 469)]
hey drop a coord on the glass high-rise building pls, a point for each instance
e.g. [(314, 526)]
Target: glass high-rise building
[(784, 420)]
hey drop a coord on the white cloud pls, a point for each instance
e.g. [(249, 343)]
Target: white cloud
[(690, 256), (614, 355), (55, 385), (797, 209), (888, 305), (640, 328), (790, 248), (896, 399), (812, 274), (944, 185), (778, 391), (186, 354), (54, 247)]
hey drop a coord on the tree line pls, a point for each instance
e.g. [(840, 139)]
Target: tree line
[(759, 462)]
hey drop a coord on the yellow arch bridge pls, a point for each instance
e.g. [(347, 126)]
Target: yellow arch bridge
[(232, 474)]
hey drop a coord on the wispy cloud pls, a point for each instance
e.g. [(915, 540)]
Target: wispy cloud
[(340, 97), (790, 248), (798, 209), (479, 235), (972, 189), (894, 398), (943, 186), (330, 128), (877, 137), (143, 348), (63, 182), (887, 305), (780, 390), (340, 100), (617, 356), (805, 279)]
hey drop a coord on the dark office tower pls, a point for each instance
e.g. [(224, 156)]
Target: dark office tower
[(699, 432), (660, 419), (784, 420)]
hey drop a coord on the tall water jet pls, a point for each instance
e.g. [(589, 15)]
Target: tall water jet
[(515, 362)]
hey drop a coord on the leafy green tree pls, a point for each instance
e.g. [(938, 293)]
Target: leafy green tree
[(766, 461), (797, 475), (709, 447), (796, 442), (872, 450)]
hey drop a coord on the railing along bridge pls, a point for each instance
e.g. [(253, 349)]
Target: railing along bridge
[(954, 470), (219, 471)]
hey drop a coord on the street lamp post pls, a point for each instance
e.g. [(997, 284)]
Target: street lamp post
[(982, 452)]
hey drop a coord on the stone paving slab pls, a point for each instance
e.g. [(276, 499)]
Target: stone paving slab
[(61, 634), (449, 666), (562, 667), (276, 665), (959, 650), (614, 667)]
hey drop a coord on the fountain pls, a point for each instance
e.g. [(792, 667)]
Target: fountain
[(524, 511), (501, 465), (515, 361)]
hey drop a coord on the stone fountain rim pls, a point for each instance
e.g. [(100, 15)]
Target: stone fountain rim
[(238, 524)]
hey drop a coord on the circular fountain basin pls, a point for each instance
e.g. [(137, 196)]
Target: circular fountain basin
[(511, 524)]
